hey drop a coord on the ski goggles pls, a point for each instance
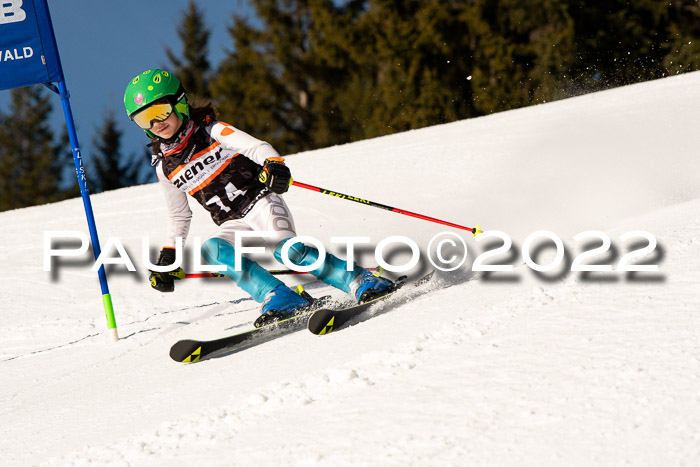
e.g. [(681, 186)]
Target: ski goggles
[(153, 113)]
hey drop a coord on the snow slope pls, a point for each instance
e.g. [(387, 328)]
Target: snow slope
[(505, 368)]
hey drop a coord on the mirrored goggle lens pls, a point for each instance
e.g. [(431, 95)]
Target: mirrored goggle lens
[(153, 113)]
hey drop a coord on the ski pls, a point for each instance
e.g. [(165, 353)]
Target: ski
[(326, 320), (191, 350)]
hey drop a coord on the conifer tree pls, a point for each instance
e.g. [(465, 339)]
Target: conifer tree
[(322, 72), (331, 32), (113, 169), (192, 69), (682, 49), (31, 162), (522, 50), (266, 85), (414, 60), (617, 44)]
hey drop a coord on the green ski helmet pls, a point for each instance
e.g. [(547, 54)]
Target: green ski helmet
[(153, 85)]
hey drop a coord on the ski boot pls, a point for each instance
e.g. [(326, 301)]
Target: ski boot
[(367, 286), (280, 304)]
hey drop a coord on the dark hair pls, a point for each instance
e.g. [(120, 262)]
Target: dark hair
[(202, 111)]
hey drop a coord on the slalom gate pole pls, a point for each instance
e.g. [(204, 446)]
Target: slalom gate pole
[(27, 26), (62, 91), (474, 230)]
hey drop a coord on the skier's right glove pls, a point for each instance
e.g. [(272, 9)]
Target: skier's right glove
[(275, 175), (164, 281)]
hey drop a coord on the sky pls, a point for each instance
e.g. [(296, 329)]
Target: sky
[(103, 45)]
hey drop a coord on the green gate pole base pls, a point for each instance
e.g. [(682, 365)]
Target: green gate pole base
[(109, 312)]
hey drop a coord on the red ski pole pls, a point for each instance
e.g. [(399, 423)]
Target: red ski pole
[(204, 275), (279, 272), (474, 230)]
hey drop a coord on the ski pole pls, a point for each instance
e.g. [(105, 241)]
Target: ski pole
[(474, 230), (279, 272), (203, 275)]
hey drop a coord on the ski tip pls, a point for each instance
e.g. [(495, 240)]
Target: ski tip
[(186, 351), (328, 328), (321, 322)]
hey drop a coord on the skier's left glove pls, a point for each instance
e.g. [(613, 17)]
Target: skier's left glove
[(275, 175), (164, 281)]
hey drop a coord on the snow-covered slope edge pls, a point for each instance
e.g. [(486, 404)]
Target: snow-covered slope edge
[(565, 373), (524, 370)]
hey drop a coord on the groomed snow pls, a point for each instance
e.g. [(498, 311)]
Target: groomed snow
[(519, 368)]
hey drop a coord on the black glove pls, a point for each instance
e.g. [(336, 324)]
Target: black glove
[(164, 281), (275, 175)]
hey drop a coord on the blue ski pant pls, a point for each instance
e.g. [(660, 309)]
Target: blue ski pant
[(258, 282)]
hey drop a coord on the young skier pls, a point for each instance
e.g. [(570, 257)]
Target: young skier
[(239, 180)]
